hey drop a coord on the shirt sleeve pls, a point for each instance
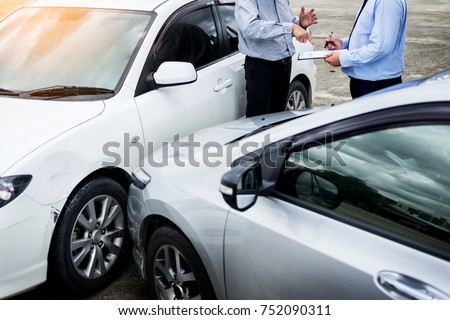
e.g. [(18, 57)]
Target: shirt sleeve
[(383, 37), (344, 43), (252, 26)]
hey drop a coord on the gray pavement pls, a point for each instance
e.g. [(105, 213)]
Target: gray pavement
[(428, 42)]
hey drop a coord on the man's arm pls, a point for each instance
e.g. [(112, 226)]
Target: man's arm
[(383, 37), (252, 26)]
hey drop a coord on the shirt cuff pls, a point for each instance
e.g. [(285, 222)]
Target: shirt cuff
[(343, 58), (287, 27), (344, 43)]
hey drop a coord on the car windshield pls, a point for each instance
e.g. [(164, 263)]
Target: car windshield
[(68, 47)]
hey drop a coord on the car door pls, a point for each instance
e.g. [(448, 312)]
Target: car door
[(179, 110), (234, 56), (361, 215)]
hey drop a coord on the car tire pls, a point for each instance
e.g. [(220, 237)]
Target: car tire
[(298, 97), (174, 269), (90, 243)]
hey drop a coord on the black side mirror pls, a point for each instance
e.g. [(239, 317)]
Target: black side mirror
[(240, 185)]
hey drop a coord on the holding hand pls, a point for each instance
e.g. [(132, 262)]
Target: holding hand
[(308, 18), (333, 59), (333, 43)]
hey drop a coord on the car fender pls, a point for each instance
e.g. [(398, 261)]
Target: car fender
[(59, 165), (207, 239)]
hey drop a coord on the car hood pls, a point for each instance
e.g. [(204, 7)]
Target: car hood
[(236, 130), (28, 124), (220, 141)]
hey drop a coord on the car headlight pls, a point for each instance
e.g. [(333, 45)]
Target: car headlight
[(11, 187)]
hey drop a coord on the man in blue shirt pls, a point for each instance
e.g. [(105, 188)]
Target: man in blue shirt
[(265, 32), (374, 55)]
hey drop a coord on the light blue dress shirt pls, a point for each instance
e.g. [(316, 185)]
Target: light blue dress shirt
[(377, 44), (265, 28)]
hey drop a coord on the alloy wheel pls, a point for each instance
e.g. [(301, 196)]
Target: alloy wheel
[(174, 278), (296, 101), (97, 237)]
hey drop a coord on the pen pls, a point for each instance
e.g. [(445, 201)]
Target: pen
[(326, 42)]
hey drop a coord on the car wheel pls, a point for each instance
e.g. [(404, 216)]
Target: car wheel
[(298, 97), (90, 242), (174, 269)]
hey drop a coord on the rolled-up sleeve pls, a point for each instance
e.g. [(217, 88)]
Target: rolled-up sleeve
[(247, 17), (265, 28)]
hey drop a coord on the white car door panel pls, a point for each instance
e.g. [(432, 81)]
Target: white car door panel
[(185, 110), (211, 99)]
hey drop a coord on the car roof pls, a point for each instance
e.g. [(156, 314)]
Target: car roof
[(432, 89), (443, 75), (143, 5)]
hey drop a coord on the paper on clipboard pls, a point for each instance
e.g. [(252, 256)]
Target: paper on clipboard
[(314, 54)]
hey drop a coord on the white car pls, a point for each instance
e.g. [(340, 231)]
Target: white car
[(88, 88), (349, 202)]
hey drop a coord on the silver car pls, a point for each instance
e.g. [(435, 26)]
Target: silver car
[(347, 202)]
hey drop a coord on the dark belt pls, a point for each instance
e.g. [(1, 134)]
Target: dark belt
[(284, 61)]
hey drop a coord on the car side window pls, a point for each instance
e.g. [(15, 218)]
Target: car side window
[(192, 38), (231, 26), (395, 180)]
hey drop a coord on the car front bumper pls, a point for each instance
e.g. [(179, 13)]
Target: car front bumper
[(25, 234)]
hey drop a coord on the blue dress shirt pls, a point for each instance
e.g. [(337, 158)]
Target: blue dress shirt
[(377, 44), (265, 28)]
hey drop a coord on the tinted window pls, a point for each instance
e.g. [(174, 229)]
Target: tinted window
[(192, 38), (396, 179)]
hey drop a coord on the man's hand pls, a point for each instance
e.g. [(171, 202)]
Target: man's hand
[(333, 59), (308, 18), (301, 34), (333, 43)]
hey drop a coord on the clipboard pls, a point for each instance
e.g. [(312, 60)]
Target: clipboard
[(315, 54)]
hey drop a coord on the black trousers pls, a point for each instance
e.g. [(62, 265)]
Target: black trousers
[(267, 85), (360, 87)]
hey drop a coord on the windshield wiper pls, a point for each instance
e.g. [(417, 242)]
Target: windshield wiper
[(65, 91), (251, 133), (6, 92)]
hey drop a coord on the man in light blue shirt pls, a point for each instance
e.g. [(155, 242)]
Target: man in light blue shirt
[(374, 55), (265, 31)]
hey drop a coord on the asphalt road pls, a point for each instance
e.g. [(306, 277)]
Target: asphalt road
[(428, 42)]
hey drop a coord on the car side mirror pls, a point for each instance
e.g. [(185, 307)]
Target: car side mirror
[(172, 73), (240, 185)]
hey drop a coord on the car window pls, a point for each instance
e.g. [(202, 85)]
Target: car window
[(192, 38), (394, 180), (231, 26)]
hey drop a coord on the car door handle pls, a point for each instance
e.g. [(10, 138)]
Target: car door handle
[(227, 83), (399, 286)]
